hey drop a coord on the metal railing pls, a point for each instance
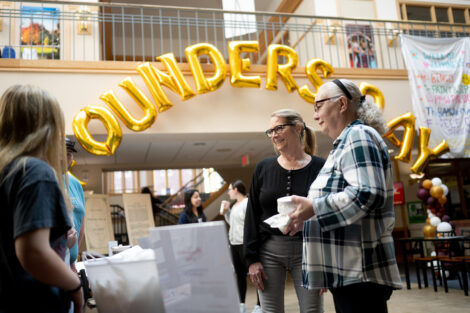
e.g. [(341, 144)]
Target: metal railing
[(85, 31)]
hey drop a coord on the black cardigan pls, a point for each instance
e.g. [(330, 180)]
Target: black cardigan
[(271, 181)]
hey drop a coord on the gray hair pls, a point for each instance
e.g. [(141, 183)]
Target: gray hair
[(365, 109)]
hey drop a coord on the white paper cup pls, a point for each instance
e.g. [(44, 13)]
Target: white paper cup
[(285, 206), (222, 206)]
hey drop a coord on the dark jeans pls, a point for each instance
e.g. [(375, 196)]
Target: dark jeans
[(361, 298)]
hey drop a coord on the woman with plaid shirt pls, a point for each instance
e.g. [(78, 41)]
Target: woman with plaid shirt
[(349, 214)]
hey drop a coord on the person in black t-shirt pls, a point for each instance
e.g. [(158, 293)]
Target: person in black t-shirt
[(268, 252), (33, 214), (154, 200)]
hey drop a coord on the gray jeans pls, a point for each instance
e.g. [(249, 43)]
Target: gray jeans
[(278, 255)]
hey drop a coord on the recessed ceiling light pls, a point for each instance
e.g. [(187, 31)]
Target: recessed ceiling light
[(223, 150), (199, 143)]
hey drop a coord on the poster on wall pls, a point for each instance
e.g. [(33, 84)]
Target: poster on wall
[(361, 47), (40, 33), (439, 76), (416, 212)]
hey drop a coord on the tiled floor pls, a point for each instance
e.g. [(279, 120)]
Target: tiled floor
[(402, 301)]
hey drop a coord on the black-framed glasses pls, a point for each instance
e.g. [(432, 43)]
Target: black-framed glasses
[(318, 104), (277, 129)]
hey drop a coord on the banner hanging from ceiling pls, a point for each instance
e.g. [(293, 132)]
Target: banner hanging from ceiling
[(439, 76)]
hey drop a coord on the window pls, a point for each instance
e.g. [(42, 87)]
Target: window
[(174, 183), (159, 182), (415, 13), (441, 15), (431, 13), (459, 16), (163, 182), (118, 181), (187, 175), (436, 14)]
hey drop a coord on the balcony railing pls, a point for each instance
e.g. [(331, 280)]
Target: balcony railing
[(82, 31)]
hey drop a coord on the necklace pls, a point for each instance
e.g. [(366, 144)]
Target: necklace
[(295, 164)]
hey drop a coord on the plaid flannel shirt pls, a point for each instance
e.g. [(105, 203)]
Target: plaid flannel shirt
[(349, 239)]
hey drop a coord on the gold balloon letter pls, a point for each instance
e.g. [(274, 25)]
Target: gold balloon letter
[(237, 66), (70, 173), (80, 128), (154, 78), (406, 120), (426, 154), (285, 70), (204, 84), (311, 70), (376, 93), (150, 112)]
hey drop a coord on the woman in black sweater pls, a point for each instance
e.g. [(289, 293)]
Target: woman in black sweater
[(268, 252)]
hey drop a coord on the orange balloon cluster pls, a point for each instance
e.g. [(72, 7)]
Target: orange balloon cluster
[(434, 194)]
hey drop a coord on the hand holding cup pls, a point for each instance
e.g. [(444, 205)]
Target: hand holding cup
[(224, 207)]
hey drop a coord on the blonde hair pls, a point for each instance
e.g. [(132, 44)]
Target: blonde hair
[(32, 125), (307, 137)]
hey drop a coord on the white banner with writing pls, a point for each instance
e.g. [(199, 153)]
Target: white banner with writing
[(439, 75)]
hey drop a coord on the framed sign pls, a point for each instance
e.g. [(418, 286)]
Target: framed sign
[(98, 225), (416, 212), (139, 216), (398, 193), (361, 46), (40, 33)]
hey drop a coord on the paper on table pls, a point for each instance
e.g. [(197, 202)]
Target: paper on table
[(195, 268)]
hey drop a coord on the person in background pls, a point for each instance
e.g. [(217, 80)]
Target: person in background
[(235, 217), (349, 214), (192, 212), (154, 200), (270, 253), (78, 201), (33, 213)]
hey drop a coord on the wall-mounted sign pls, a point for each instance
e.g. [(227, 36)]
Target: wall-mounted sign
[(416, 212), (398, 193)]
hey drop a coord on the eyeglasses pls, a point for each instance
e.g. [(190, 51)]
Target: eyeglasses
[(318, 104), (276, 130)]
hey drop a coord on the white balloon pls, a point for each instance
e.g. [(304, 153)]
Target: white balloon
[(435, 221), (430, 216), (445, 189), (444, 227), (436, 181)]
